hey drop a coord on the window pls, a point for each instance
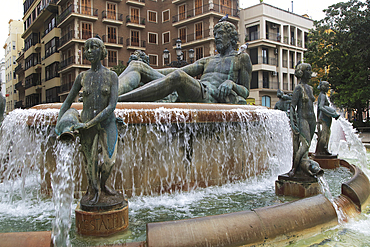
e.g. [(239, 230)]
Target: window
[(13, 45), (51, 47), (152, 16), (198, 7), (49, 25), (199, 30), (152, 38), (225, 6), (264, 56), (52, 95), (86, 30), (112, 58), (182, 12), (166, 15), (153, 60), (266, 101), (14, 62), (166, 37), (51, 71), (134, 38), (134, 15), (86, 7), (182, 34), (112, 35), (198, 53), (111, 11)]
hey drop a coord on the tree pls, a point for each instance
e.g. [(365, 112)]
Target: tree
[(338, 51), (119, 68)]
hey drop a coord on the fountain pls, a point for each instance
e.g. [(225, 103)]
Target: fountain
[(200, 160), (186, 156)]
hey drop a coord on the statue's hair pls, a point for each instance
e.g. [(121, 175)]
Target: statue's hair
[(97, 39), (300, 68), (321, 84), (230, 30)]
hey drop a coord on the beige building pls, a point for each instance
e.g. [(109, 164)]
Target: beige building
[(12, 45), (55, 32), (277, 42)]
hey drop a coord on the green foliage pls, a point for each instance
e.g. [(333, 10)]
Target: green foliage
[(119, 68), (338, 51)]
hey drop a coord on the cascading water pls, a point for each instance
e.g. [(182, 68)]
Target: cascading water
[(63, 190), (180, 153)]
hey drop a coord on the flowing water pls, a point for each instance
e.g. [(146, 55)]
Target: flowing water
[(25, 207)]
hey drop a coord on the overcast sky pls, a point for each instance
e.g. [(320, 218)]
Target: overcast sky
[(13, 9)]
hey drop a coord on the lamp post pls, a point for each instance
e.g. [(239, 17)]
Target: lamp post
[(180, 56)]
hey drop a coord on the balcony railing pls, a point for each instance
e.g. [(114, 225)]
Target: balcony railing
[(135, 19), (269, 84), (66, 87), (75, 35), (194, 36), (32, 83), (18, 104), (112, 40), (274, 36), (112, 15), (140, 1), (78, 10), (18, 69), (67, 62), (18, 85), (205, 9), (265, 60), (252, 36), (135, 42)]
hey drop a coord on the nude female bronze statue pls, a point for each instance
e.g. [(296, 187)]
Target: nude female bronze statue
[(98, 126), (325, 113), (303, 122)]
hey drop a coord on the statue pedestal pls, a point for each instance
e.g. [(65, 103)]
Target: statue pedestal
[(298, 186), (327, 161), (101, 221)]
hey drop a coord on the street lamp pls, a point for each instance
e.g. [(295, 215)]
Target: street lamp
[(191, 55), (180, 56)]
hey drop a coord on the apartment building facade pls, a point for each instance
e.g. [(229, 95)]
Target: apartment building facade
[(277, 42), (55, 32), (12, 45), (2, 76)]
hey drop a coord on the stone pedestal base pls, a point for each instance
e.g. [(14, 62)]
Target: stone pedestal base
[(286, 186), (101, 223), (327, 161)]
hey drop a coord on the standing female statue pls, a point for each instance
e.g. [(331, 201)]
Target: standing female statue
[(324, 117), (302, 117), (100, 87)]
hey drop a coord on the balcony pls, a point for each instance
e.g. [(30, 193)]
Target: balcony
[(19, 104), (194, 38), (135, 21), (197, 13), (19, 85), (137, 3), (265, 60), (252, 36), (73, 62), (269, 84), (31, 83), (19, 69), (273, 36), (66, 87), (82, 12), (135, 44), (113, 42), (75, 36), (111, 17)]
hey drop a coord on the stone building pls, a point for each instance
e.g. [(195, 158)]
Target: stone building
[(55, 32), (277, 42), (12, 45)]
